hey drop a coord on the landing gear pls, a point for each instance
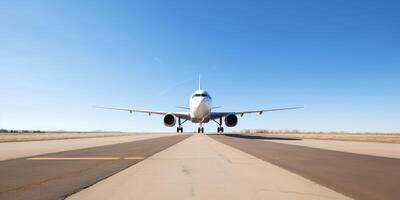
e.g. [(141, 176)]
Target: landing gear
[(220, 128), (200, 130), (180, 128)]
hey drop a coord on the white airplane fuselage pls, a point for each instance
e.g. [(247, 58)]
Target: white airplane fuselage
[(200, 105)]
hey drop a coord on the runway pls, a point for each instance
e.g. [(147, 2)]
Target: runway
[(57, 175), (202, 166)]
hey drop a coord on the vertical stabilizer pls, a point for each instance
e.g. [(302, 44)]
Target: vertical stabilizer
[(199, 82)]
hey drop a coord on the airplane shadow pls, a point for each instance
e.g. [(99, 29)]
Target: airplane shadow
[(257, 137)]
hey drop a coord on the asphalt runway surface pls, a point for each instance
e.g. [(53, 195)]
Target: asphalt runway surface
[(57, 175), (354, 175), (230, 166)]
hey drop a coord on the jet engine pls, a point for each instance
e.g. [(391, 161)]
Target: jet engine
[(231, 120), (169, 120)]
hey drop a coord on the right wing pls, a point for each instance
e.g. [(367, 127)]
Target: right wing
[(266, 110), (183, 115)]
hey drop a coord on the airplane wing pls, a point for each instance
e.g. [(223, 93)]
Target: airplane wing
[(215, 115), (183, 115)]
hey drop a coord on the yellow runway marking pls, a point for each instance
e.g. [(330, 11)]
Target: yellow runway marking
[(74, 158), (85, 158), (134, 158)]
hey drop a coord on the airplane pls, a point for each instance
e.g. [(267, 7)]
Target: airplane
[(199, 111)]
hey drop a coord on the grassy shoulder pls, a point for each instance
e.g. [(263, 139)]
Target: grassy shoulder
[(361, 137), (21, 137)]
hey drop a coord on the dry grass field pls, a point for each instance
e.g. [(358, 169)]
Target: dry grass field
[(362, 137), (20, 137)]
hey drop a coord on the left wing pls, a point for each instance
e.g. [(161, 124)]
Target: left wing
[(183, 115), (215, 115)]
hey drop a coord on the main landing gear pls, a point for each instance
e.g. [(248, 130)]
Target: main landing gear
[(180, 128), (220, 128)]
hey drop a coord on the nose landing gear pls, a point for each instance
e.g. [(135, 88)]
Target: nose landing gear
[(200, 130)]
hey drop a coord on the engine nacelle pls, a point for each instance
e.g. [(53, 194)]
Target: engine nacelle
[(231, 120), (169, 120)]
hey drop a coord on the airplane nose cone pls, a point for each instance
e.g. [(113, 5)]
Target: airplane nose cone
[(203, 100), (204, 105), (203, 108)]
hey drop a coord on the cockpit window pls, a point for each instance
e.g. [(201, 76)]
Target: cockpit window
[(201, 95)]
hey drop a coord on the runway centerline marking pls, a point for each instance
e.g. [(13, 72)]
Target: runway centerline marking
[(86, 158)]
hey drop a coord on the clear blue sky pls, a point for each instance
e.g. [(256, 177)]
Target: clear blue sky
[(340, 59)]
